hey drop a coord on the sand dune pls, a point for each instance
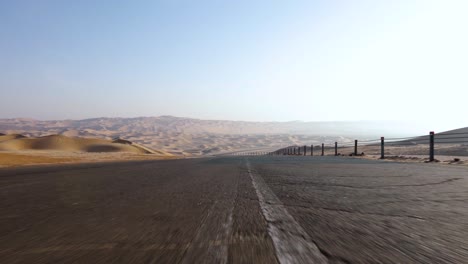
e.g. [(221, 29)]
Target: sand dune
[(63, 143), (178, 136), (71, 133), (195, 137), (4, 137)]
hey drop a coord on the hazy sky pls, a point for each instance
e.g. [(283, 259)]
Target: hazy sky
[(241, 60)]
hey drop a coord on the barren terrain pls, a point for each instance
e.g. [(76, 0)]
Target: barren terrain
[(194, 137), (186, 137), (16, 150)]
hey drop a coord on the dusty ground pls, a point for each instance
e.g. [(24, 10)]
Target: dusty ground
[(15, 159), (452, 154), (31, 157), (182, 136), (264, 209), (195, 137)]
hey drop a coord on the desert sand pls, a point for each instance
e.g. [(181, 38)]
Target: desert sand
[(186, 137), (449, 154), (16, 149), (60, 142)]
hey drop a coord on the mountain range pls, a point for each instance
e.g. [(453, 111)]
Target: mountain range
[(193, 137)]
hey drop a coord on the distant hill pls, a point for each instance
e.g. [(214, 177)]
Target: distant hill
[(459, 135), (4, 137), (192, 137), (458, 131), (58, 142), (115, 127)]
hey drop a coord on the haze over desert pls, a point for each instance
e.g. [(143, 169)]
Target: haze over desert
[(184, 137), (103, 139), (233, 132)]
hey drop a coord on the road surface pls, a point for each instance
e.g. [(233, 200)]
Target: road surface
[(262, 209)]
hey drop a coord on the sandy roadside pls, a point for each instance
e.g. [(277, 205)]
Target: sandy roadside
[(30, 157)]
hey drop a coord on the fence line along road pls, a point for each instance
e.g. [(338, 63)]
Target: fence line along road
[(431, 141)]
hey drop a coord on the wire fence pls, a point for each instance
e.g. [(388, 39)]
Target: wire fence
[(447, 144)]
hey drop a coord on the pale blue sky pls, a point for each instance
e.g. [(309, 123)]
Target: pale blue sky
[(238, 60)]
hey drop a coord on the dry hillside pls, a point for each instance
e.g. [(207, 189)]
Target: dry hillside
[(17, 142), (194, 137)]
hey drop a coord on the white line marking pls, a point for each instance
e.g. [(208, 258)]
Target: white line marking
[(292, 243)]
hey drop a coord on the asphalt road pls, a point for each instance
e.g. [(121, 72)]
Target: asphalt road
[(235, 210)]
